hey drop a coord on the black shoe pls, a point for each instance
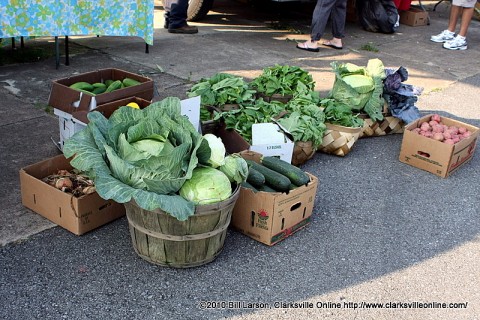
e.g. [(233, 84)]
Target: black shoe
[(167, 21), (185, 29)]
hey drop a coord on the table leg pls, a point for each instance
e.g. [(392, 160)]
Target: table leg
[(67, 59), (146, 48), (57, 53)]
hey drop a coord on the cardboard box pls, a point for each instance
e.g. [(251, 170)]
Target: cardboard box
[(71, 101), (78, 215), (434, 156), (271, 217), (414, 17), (268, 139)]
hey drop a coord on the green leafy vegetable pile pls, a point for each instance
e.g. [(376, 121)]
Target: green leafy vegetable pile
[(283, 80), (340, 114), (221, 89)]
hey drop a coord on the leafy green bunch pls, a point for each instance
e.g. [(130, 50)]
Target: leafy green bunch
[(221, 89), (141, 154), (340, 114), (283, 80), (304, 120), (242, 119)]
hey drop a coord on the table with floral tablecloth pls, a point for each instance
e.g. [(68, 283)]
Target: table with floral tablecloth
[(36, 18)]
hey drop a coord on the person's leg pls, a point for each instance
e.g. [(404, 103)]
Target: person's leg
[(177, 16), (453, 19), (320, 17), (467, 15), (338, 18)]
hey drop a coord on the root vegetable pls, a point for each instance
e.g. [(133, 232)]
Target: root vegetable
[(447, 135), (428, 134), (433, 123), (425, 127), (453, 129), (436, 117), (438, 136), (88, 190), (417, 130), (448, 141), (467, 134), (437, 128), (62, 183), (462, 130)]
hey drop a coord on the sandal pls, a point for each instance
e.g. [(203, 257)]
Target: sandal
[(304, 46), (331, 45)]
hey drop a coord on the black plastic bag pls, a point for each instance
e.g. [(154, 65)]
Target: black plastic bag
[(378, 15)]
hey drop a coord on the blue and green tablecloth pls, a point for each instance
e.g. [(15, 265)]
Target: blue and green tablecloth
[(35, 18)]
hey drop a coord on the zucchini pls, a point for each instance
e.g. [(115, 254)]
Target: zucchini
[(296, 175), (273, 178), (255, 178)]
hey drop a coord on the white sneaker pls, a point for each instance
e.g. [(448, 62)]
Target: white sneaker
[(444, 36), (457, 43)]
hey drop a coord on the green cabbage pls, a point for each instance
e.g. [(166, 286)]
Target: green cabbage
[(141, 154), (235, 168), (360, 88), (217, 147), (207, 185)]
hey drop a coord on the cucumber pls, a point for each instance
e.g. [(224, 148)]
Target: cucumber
[(247, 185), (128, 82), (273, 178), (255, 178), (296, 175), (266, 188), (99, 90), (114, 86), (82, 85)]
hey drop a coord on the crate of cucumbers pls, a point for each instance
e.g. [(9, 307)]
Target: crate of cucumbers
[(276, 200), (84, 92)]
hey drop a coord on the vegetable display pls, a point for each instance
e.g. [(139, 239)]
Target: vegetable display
[(142, 154), (435, 129)]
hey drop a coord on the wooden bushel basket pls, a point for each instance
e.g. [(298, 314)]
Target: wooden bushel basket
[(339, 140), (302, 152), (164, 240), (389, 125)]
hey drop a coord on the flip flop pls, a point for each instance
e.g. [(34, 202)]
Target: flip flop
[(329, 44), (304, 46)]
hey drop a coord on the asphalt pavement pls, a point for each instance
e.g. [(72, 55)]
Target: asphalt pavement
[(381, 232)]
